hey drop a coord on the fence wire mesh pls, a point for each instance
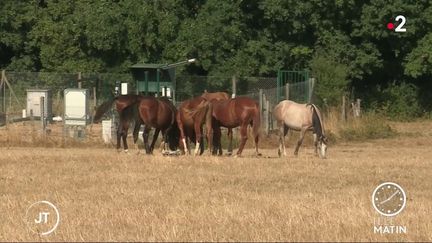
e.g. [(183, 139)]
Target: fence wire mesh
[(103, 85)]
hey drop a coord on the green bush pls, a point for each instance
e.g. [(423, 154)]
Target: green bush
[(400, 101), (369, 126)]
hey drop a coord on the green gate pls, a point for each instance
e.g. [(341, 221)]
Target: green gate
[(296, 85)]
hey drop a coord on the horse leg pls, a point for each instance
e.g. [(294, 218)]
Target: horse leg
[(146, 134), (162, 145), (243, 138), (230, 140), (136, 133), (300, 141), (315, 144), (209, 134), (198, 135), (119, 134), (155, 136), (183, 140), (217, 148), (124, 136), (283, 130)]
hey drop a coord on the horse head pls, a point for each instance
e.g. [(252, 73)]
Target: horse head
[(322, 143), (173, 136)]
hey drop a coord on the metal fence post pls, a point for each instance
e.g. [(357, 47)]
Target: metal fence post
[(79, 80), (267, 116), (234, 86), (261, 103), (343, 113), (42, 113), (311, 88), (287, 91)]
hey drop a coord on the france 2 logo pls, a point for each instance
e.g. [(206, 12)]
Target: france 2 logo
[(399, 27)]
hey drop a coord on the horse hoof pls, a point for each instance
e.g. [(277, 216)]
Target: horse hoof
[(258, 154), (126, 150)]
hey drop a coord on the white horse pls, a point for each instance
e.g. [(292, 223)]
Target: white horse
[(300, 117)]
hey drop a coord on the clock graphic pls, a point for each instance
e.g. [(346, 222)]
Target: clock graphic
[(389, 199)]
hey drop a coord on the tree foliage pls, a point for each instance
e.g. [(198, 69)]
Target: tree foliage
[(347, 40)]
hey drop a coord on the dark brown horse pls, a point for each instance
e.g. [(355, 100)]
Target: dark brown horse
[(239, 111), (125, 105), (192, 115), (158, 113)]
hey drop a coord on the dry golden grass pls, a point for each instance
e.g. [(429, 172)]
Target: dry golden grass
[(103, 195)]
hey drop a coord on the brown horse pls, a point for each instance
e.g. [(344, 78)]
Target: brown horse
[(192, 115), (159, 113), (300, 117), (239, 111), (125, 107)]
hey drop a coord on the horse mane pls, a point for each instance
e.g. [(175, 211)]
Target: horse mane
[(317, 120)]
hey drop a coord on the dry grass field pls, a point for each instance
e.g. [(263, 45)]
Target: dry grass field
[(103, 195)]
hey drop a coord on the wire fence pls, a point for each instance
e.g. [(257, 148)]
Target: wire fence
[(101, 86)]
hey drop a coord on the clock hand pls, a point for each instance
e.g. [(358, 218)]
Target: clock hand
[(388, 199)]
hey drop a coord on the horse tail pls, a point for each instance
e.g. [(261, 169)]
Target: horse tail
[(102, 109), (317, 121)]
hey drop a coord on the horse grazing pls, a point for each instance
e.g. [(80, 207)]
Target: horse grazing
[(231, 113), (300, 117), (159, 113), (125, 107), (192, 115), (215, 97)]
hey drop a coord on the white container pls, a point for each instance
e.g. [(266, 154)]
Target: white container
[(33, 102), (124, 88), (76, 107), (107, 130)]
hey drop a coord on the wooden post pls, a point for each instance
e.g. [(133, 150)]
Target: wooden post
[(234, 86), (261, 93), (4, 96), (358, 108), (42, 112), (311, 87), (267, 120), (79, 80), (94, 97), (287, 91), (343, 114)]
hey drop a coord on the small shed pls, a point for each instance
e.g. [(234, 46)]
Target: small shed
[(33, 103), (154, 79)]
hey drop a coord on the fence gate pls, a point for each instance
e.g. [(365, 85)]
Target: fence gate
[(295, 85)]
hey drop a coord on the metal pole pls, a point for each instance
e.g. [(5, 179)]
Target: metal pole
[(278, 80), (343, 108), (287, 91), (94, 97), (146, 82), (311, 87), (261, 103), (4, 98), (234, 86), (42, 112), (157, 82), (79, 80), (267, 116)]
